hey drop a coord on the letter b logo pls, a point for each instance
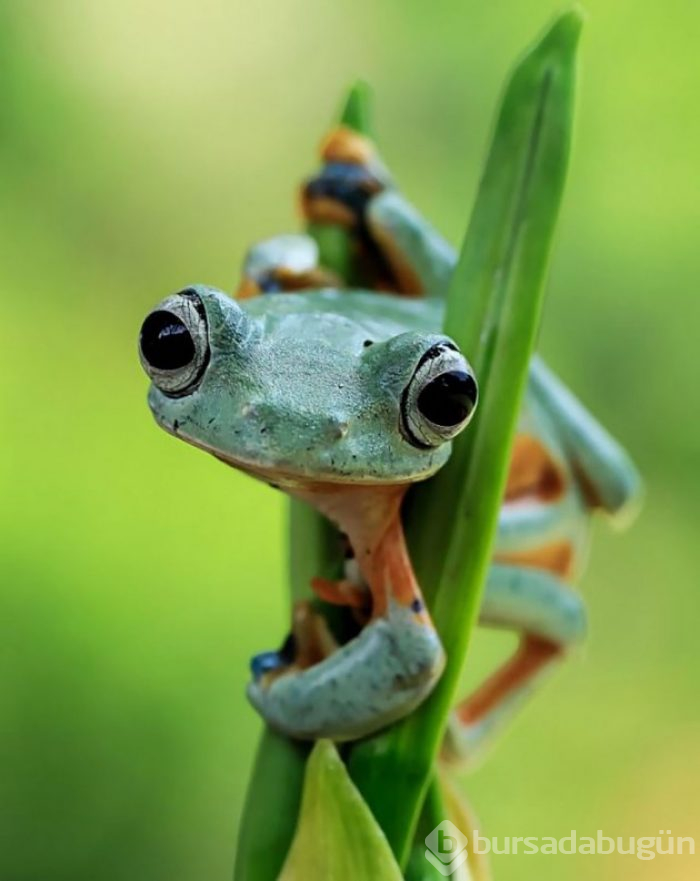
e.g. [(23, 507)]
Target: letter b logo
[(446, 848), (446, 843)]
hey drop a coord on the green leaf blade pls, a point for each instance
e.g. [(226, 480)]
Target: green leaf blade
[(264, 835), (493, 312), (357, 111), (337, 838)]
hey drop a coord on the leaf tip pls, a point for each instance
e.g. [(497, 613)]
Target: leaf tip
[(323, 753), (337, 836), (357, 110), (565, 30)]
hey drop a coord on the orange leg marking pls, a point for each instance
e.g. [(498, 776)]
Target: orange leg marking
[(370, 517), (557, 557), (534, 654), (392, 572), (533, 472), (342, 144), (247, 289), (405, 280)]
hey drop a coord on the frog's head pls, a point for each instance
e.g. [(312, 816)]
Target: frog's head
[(295, 395)]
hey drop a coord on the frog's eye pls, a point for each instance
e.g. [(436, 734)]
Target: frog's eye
[(174, 343), (440, 398)]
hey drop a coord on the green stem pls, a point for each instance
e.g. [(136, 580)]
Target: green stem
[(274, 791), (433, 812), (271, 808)]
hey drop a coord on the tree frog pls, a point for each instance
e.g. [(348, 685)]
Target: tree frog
[(344, 396)]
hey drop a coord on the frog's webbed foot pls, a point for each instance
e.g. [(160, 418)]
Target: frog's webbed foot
[(351, 177), (309, 642), (340, 193), (395, 249), (374, 679), (285, 263), (551, 619), (377, 676)]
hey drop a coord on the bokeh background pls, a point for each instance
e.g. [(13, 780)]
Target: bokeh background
[(142, 147)]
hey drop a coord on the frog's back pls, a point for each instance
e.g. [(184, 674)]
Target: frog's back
[(377, 316)]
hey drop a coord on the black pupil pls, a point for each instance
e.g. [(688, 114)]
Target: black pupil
[(448, 399), (166, 342)]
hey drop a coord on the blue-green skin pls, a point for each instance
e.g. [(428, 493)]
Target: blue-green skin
[(294, 396), (292, 390)]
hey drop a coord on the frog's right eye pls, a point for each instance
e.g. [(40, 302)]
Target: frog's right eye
[(440, 399), (174, 344)]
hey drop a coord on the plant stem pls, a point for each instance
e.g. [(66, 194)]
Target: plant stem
[(271, 808), (433, 812), (274, 791)]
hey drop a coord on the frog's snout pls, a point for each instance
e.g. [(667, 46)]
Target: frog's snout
[(174, 344)]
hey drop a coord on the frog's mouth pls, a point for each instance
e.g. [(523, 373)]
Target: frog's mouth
[(284, 475)]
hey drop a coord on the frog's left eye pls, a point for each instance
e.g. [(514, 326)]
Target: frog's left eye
[(174, 344), (440, 399)]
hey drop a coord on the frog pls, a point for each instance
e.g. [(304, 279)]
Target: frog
[(344, 393)]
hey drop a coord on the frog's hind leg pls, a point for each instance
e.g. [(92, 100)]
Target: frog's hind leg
[(605, 472), (551, 618), (395, 249), (285, 263), (420, 259)]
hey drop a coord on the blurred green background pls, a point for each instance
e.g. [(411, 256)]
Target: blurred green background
[(142, 147)]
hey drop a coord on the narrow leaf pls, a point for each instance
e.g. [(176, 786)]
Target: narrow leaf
[(433, 812), (357, 112), (271, 808), (493, 313)]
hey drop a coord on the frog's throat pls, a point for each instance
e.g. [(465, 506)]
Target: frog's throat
[(286, 478)]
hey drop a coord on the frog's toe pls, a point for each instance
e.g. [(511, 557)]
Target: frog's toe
[(264, 663), (274, 661), (376, 678)]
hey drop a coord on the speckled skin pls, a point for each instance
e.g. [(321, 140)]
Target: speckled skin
[(304, 390), (382, 674)]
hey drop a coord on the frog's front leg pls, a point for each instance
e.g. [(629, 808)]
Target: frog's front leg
[(381, 674), (551, 618)]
